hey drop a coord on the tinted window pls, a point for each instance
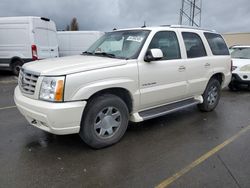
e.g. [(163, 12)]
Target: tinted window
[(217, 44), (168, 43), (194, 45)]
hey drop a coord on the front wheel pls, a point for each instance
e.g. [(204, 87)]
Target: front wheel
[(211, 96), (104, 121), (233, 87)]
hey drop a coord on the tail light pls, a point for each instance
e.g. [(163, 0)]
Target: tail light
[(34, 52)]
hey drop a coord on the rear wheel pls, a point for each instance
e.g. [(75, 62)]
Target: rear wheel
[(211, 96), (16, 67), (104, 121)]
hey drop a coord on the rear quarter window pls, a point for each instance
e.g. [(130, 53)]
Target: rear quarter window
[(217, 44)]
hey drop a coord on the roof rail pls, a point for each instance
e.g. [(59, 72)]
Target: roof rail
[(187, 27)]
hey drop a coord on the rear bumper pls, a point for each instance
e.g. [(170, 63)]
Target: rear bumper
[(56, 118)]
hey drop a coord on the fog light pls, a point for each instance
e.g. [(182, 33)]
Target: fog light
[(34, 122)]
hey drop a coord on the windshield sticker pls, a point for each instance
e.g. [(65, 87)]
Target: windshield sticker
[(135, 38)]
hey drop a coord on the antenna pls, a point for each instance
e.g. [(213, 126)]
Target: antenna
[(190, 13), (144, 24)]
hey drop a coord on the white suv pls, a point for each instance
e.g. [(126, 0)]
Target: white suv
[(241, 67), (127, 75)]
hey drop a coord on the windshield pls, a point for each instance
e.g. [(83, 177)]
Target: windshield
[(240, 53), (119, 44)]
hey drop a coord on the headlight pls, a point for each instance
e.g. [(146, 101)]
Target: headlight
[(245, 68), (52, 89)]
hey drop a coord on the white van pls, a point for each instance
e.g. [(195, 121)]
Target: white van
[(24, 39), (76, 42)]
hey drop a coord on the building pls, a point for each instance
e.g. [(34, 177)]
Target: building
[(237, 38)]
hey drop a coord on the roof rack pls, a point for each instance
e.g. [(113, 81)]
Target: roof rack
[(186, 27)]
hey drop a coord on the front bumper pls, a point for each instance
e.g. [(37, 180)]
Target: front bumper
[(241, 78), (56, 118)]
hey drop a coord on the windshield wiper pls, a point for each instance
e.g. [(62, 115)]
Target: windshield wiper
[(88, 53), (105, 54)]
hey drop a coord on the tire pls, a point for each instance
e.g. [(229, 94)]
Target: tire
[(211, 96), (16, 66), (104, 121), (233, 87)]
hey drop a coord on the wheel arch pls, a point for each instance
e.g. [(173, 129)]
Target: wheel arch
[(123, 93), (14, 59), (219, 76)]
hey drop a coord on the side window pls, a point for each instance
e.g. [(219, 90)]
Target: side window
[(166, 41), (217, 44), (194, 45)]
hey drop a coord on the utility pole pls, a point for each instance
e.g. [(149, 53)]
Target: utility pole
[(190, 13)]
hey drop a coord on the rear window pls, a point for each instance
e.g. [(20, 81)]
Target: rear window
[(217, 44)]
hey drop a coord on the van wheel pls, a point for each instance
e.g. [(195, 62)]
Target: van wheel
[(16, 67), (104, 121), (211, 96)]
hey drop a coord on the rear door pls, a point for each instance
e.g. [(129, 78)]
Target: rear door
[(45, 38), (53, 43), (198, 63), (42, 43)]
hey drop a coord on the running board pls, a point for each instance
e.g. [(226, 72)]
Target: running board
[(163, 110)]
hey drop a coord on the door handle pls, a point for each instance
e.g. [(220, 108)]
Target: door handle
[(207, 65), (52, 50), (182, 68)]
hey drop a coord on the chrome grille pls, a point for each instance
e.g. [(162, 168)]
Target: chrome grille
[(27, 81)]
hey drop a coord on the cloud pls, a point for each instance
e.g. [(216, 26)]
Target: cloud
[(223, 15)]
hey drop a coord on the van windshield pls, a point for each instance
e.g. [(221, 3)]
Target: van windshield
[(119, 44)]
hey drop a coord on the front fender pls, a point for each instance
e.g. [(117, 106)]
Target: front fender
[(90, 89)]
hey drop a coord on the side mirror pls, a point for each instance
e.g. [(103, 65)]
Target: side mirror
[(153, 55)]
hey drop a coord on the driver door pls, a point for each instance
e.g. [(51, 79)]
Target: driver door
[(163, 81)]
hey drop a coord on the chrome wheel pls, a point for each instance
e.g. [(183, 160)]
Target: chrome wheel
[(107, 122), (212, 95)]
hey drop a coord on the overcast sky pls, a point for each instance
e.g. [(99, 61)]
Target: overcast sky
[(222, 15)]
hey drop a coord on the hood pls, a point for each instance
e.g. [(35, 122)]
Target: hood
[(240, 62), (71, 64)]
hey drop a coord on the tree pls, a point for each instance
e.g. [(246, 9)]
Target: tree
[(74, 25)]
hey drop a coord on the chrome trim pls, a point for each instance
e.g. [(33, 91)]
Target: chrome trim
[(27, 81)]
